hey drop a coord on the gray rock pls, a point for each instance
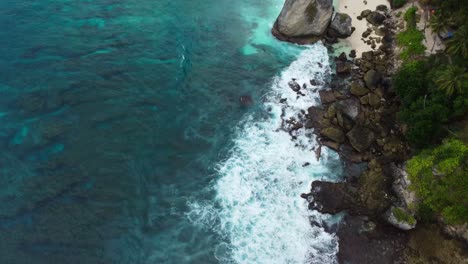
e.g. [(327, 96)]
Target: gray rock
[(349, 108), (341, 25), (400, 186), (400, 218), (300, 18), (360, 138)]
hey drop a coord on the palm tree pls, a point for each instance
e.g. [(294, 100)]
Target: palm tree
[(439, 23), (458, 45), (453, 79)]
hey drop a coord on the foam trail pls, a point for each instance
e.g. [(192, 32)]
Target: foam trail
[(260, 212)]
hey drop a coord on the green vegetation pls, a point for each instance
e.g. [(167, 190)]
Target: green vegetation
[(440, 178), (403, 216), (411, 42), (410, 17), (433, 90), (434, 99), (453, 79), (398, 3), (422, 87), (458, 45), (439, 23), (411, 39)]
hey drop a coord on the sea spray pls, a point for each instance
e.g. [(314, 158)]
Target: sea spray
[(258, 209)]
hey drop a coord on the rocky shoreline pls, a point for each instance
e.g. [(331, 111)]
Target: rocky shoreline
[(357, 118)]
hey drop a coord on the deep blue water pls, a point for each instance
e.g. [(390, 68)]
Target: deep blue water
[(115, 119)]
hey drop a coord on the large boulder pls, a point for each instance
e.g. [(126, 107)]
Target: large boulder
[(349, 107), (341, 25), (334, 134), (303, 18), (327, 96), (358, 89), (343, 68), (372, 79), (400, 218), (360, 138)]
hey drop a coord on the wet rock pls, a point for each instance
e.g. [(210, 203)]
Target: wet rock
[(360, 138), (333, 133), (327, 96), (341, 25), (352, 54), (331, 144), (294, 86), (343, 68), (331, 198), (343, 57), (364, 242), (314, 82), (316, 115)]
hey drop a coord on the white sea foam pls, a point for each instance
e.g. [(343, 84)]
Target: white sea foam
[(260, 212)]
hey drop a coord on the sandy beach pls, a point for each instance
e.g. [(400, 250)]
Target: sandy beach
[(354, 8)]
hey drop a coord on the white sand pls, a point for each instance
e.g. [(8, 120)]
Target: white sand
[(354, 8)]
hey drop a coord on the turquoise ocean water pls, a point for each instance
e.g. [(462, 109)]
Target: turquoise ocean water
[(123, 140)]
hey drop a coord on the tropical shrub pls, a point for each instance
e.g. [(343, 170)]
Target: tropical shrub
[(398, 3), (440, 179), (453, 79), (410, 81), (410, 16), (411, 42)]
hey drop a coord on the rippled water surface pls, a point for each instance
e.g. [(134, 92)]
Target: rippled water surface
[(123, 140)]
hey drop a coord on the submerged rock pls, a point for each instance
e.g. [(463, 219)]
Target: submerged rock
[(245, 100), (303, 18)]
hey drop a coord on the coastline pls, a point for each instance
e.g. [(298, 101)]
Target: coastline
[(354, 8)]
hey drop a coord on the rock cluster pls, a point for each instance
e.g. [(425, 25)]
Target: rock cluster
[(307, 21), (357, 118)]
